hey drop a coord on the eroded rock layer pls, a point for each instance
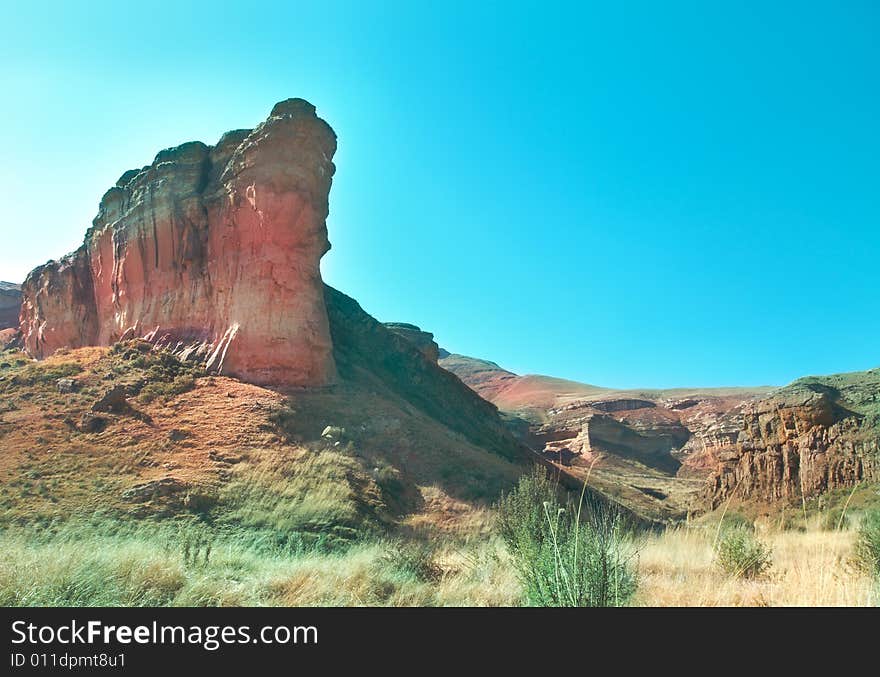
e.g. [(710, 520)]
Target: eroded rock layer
[(212, 251), (815, 435)]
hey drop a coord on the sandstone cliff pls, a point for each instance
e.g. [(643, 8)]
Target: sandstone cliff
[(812, 436), (212, 251)]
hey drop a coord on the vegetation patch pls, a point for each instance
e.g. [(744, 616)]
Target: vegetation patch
[(40, 373), (867, 549), (319, 491), (566, 553), (741, 554)]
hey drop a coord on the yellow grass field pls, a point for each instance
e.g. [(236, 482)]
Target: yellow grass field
[(810, 568)]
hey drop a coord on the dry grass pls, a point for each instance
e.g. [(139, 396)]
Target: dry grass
[(810, 568), (364, 576)]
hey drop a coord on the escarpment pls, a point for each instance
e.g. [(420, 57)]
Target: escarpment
[(815, 435), (213, 253), (210, 251)]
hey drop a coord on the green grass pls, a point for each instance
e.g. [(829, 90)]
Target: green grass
[(868, 542), (566, 553), (37, 374), (323, 491), (106, 562)]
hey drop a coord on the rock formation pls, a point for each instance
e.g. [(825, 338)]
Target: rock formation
[(422, 340), (211, 251), (813, 436), (370, 353)]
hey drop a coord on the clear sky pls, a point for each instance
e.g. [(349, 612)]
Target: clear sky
[(622, 193)]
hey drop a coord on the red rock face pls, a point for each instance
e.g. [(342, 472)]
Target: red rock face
[(793, 446), (211, 251)]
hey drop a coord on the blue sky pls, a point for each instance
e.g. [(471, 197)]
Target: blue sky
[(627, 194)]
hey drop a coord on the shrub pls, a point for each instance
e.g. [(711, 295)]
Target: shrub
[(413, 559), (834, 518), (868, 542), (389, 481), (566, 554), (741, 554), (167, 389)]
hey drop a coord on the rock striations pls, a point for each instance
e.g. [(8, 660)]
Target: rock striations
[(815, 435), (212, 252)]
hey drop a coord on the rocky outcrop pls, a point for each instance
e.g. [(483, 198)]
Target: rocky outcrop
[(814, 436), (422, 340), (10, 304), (211, 251), (588, 424)]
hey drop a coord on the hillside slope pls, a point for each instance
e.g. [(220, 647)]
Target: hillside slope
[(140, 435)]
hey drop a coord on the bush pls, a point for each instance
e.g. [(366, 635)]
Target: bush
[(834, 518), (413, 559), (167, 389), (868, 542), (741, 554), (566, 554)]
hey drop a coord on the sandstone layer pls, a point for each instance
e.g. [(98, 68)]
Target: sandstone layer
[(815, 435), (211, 251)]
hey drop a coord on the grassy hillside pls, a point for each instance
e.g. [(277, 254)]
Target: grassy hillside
[(128, 477), (857, 391), (181, 444)]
